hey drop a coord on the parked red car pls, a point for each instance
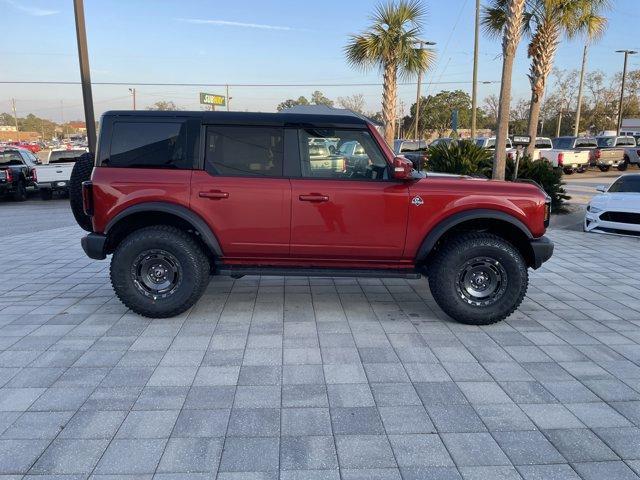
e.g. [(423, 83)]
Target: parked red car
[(177, 196)]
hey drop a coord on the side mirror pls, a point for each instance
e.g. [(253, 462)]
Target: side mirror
[(402, 168), (601, 188)]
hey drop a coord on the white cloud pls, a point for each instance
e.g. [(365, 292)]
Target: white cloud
[(34, 11), (226, 23)]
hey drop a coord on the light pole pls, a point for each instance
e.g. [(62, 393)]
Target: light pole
[(423, 43), (85, 77), (474, 87), (624, 75), (133, 94)]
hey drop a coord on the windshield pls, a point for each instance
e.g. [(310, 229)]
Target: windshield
[(605, 142), (626, 184), (65, 156)]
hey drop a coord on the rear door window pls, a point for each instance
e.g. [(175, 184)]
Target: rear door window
[(149, 145), (246, 151)]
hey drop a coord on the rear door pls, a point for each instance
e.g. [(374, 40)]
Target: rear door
[(241, 192), (347, 207)]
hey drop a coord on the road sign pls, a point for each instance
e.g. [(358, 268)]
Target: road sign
[(213, 99)]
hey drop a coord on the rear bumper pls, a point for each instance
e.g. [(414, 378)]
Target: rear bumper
[(542, 250), (93, 245)]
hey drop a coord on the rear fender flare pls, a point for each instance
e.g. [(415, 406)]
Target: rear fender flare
[(452, 221), (207, 235)]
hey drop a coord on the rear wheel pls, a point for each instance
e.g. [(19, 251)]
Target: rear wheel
[(567, 171), (159, 271), (604, 168), (623, 166), (20, 192), (81, 172), (478, 278)]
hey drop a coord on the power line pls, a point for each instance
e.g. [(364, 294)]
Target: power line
[(251, 85)]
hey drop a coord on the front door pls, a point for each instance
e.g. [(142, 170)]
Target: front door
[(345, 205), (241, 193)]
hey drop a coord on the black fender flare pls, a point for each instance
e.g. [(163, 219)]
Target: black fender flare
[(207, 235), (450, 222)]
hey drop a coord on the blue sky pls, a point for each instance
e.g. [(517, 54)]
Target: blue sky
[(247, 41)]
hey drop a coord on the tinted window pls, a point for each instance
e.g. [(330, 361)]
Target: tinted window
[(586, 143), (149, 145), (627, 183), (605, 142), (357, 157), (543, 143), (246, 151), (10, 158), (63, 156)]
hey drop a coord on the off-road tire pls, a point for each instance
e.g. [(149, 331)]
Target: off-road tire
[(81, 172), (20, 191), (190, 256), (46, 194), (448, 263), (603, 168)]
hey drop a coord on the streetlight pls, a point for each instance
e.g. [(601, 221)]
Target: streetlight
[(624, 75), (423, 43), (133, 93), (474, 86)]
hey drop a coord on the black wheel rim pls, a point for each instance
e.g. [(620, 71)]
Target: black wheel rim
[(156, 273), (481, 281)]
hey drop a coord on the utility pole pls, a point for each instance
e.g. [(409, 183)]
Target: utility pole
[(576, 127), (624, 76), (62, 117), (85, 76), (228, 98), (133, 94), (474, 88), (559, 120), (423, 43), (15, 118)]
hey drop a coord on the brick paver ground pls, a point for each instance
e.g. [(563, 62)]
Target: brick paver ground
[(309, 379)]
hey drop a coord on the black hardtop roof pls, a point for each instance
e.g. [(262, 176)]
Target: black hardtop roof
[(249, 118)]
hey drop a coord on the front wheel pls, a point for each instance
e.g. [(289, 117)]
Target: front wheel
[(623, 166), (478, 278), (159, 271)]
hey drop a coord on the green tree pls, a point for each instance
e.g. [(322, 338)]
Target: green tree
[(436, 110), (503, 18), (389, 44), (290, 102), (318, 98)]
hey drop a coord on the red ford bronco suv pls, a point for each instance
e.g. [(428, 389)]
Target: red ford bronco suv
[(178, 196)]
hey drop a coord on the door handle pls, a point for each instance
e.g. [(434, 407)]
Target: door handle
[(314, 197), (214, 195)]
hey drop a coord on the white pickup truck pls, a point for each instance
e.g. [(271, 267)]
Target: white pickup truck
[(54, 175), (571, 154)]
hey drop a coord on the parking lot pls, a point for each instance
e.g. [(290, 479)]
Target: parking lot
[(298, 378)]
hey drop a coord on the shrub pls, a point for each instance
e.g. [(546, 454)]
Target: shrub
[(466, 158), (460, 157)]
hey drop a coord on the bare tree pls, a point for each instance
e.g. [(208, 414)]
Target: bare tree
[(354, 102)]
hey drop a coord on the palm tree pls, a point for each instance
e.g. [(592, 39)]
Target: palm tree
[(504, 18), (547, 21), (390, 44)]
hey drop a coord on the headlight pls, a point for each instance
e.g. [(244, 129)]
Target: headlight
[(593, 209)]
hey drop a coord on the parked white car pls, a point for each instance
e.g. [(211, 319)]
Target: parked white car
[(617, 209), (54, 175), (571, 154)]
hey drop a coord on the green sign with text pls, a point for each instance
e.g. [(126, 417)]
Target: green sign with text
[(213, 99)]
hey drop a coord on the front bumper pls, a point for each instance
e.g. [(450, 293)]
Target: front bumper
[(542, 250), (593, 223), (93, 245)]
